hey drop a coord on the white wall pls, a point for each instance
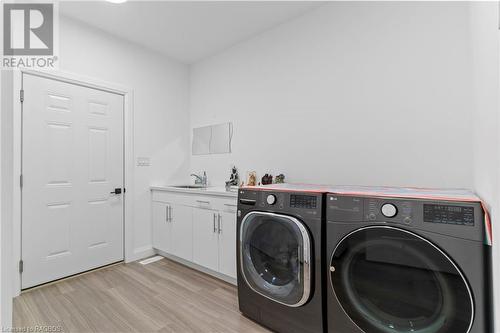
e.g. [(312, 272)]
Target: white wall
[(356, 93), (486, 60), (349, 93), (160, 106), (161, 123)]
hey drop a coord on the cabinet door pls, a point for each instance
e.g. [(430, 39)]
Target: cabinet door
[(161, 227), (182, 231), (205, 238), (227, 243)]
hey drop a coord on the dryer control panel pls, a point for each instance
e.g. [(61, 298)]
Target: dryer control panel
[(397, 210), (460, 219), (347, 208)]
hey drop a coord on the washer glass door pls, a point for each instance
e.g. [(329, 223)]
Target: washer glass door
[(275, 253), (391, 280)]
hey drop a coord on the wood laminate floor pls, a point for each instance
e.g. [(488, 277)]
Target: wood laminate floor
[(163, 296)]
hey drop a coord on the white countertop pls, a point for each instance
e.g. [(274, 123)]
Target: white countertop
[(210, 190)]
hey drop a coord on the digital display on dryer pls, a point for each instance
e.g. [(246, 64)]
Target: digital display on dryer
[(449, 214)]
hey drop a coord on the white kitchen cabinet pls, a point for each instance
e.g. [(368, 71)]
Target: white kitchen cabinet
[(206, 238), (181, 220), (227, 243), (162, 234), (198, 228), (214, 240)]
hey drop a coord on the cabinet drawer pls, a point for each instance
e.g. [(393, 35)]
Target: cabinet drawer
[(196, 200), (229, 206), (215, 203), (184, 199)]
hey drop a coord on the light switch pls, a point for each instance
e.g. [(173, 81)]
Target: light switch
[(143, 161)]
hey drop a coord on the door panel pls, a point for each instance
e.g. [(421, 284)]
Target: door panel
[(182, 231), (205, 238), (227, 244), (72, 160), (391, 280), (162, 227), (275, 251)]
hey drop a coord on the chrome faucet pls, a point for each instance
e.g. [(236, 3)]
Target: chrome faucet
[(200, 180)]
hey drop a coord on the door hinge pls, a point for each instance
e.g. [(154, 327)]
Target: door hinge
[(21, 95), (21, 266), (21, 181)]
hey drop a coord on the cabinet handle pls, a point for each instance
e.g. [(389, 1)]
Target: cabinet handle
[(166, 213), (203, 202), (215, 228), (230, 205), (170, 213), (219, 222)]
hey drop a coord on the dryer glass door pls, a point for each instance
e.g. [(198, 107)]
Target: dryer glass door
[(275, 253), (389, 280)]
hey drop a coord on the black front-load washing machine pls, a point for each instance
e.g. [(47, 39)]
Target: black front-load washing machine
[(280, 258), (407, 265)]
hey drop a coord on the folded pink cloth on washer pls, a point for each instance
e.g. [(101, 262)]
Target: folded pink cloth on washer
[(390, 191)]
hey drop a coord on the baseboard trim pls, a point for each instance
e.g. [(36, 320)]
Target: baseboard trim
[(141, 253), (72, 276), (197, 267)]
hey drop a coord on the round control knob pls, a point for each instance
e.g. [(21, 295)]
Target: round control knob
[(271, 199), (372, 216), (389, 210)]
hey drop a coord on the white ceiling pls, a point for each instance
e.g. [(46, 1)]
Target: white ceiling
[(186, 31)]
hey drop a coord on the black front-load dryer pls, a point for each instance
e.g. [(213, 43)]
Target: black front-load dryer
[(280, 259), (406, 265)]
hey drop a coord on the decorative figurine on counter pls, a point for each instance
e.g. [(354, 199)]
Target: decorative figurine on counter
[(267, 179), (280, 179), (252, 178), (234, 178)]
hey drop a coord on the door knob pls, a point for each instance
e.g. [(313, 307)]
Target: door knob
[(117, 191)]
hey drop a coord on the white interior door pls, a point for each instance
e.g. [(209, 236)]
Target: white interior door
[(72, 161)]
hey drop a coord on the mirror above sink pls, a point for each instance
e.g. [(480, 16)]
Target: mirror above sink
[(213, 139)]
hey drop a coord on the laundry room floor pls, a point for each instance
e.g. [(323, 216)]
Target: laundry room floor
[(163, 296)]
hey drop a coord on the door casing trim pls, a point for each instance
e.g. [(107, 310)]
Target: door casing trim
[(128, 156)]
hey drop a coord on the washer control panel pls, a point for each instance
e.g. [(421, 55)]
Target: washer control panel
[(303, 201)]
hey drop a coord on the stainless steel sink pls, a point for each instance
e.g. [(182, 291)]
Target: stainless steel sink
[(189, 186)]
